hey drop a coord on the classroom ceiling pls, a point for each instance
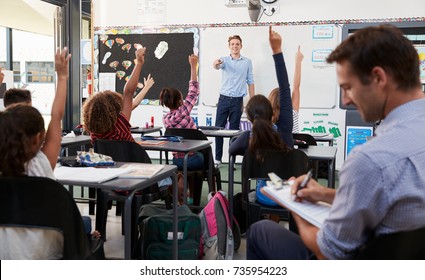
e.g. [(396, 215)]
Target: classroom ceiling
[(28, 15)]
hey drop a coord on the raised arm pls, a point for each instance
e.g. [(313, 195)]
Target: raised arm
[(131, 85), (53, 139), (285, 121), (1, 75), (147, 84), (297, 80), (193, 61)]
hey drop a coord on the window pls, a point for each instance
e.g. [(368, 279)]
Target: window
[(16, 70), (40, 72)]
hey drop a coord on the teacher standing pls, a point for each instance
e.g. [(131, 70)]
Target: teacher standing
[(237, 73)]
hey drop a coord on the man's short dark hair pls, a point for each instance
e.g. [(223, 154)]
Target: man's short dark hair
[(235, 37), (16, 95)]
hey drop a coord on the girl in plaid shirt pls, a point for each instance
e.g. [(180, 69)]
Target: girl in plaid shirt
[(179, 117)]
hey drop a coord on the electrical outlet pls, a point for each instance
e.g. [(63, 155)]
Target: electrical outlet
[(236, 3), (271, 10)]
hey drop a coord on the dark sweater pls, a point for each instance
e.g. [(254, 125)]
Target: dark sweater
[(285, 121)]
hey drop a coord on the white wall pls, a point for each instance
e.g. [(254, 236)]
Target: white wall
[(203, 14)]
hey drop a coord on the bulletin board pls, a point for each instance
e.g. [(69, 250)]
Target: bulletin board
[(166, 59)]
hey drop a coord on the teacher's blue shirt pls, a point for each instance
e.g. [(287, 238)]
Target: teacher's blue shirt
[(236, 74)]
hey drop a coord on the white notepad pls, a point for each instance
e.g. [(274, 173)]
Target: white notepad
[(315, 213), (88, 174)]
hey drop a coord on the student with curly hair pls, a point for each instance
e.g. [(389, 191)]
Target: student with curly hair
[(106, 114)]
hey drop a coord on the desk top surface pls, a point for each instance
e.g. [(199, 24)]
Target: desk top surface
[(186, 145), (222, 133), (144, 130), (77, 140), (320, 152), (129, 184)]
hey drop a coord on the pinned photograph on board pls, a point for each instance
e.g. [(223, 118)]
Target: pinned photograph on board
[(161, 49)]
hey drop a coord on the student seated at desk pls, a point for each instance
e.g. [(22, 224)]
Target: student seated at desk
[(17, 95), (179, 117), (26, 148), (106, 114)]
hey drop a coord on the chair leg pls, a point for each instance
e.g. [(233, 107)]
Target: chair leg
[(92, 203), (218, 180), (118, 209), (102, 212)]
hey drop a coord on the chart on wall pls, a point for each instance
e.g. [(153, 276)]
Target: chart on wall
[(318, 79), (166, 60)]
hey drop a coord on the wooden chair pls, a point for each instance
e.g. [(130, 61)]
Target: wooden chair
[(43, 203)]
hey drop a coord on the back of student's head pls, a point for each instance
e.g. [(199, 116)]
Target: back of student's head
[(275, 102), (101, 110), (19, 124), (16, 95), (264, 136), (384, 46), (171, 98)]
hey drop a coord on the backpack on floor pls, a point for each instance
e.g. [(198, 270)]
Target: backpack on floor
[(155, 240), (218, 240)]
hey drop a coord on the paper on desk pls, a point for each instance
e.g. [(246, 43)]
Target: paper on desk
[(70, 135), (88, 174)]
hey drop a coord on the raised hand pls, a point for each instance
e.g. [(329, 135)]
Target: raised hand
[(61, 62), (275, 41), (140, 55)]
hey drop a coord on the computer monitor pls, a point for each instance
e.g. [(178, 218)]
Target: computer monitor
[(356, 135)]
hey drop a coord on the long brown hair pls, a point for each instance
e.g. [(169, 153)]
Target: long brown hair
[(264, 136), (18, 125)]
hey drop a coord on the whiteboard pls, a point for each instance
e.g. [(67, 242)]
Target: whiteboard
[(318, 79)]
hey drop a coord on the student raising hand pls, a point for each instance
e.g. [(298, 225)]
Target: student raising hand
[(275, 41), (53, 139), (193, 61), (1, 75)]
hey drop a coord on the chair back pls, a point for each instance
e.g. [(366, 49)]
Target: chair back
[(404, 245), (192, 134), (37, 202), (284, 164), (308, 138), (121, 150)]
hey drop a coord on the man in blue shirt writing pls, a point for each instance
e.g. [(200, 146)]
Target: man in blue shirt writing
[(236, 75), (382, 183)]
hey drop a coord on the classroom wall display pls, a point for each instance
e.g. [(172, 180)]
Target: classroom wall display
[(318, 82), (166, 58)]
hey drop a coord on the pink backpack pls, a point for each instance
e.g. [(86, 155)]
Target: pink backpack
[(218, 239)]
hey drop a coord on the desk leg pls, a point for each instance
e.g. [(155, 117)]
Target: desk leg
[(175, 217), (127, 226), (210, 172), (331, 173), (230, 188), (186, 156)]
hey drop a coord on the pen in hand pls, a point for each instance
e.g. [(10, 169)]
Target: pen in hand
[(305, 181)]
